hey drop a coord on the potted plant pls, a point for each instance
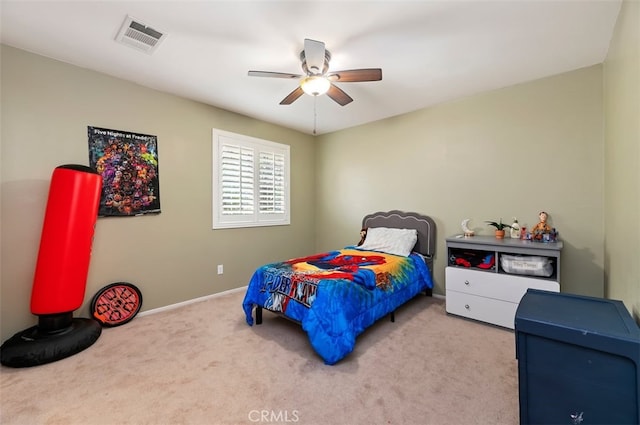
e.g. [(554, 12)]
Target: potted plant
[(500, 226)]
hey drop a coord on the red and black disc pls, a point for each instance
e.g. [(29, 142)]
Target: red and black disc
[(116, 304)]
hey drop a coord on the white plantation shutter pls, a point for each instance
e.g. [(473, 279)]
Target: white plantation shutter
[(236, 180), (272, 185), (250, 181)]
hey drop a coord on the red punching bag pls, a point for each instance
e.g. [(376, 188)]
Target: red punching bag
[(61, 273), (65, 246)]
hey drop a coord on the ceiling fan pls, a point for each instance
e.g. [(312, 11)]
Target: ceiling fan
[(316, 79)]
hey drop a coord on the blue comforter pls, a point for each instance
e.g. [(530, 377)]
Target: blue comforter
[(336, 295)]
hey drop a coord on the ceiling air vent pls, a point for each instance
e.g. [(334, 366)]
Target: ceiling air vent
[(139, 36)]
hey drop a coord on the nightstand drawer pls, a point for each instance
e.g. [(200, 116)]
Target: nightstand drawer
[(501, 313)]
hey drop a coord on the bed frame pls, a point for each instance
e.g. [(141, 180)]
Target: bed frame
[(425, 246)]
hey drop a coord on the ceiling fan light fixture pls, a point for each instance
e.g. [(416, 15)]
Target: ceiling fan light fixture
[(315, 85), (316, 79)]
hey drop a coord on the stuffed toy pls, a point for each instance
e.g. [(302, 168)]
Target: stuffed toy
[(363, 236)]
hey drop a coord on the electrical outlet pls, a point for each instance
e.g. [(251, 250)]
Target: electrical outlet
[(220, 269)]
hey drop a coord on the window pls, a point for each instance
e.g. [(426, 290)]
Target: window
[(250, 181)]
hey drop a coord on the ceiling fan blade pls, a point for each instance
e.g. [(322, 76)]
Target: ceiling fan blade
[(292, 97), (273, 74), (338, 95), (356, 75), (314, 55)]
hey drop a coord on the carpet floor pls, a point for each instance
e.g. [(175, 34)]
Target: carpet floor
[(202, 364)]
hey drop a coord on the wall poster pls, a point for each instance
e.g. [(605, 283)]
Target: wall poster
[(128, 163)]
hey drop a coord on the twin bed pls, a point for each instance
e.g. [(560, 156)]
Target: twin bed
[(336, 295)]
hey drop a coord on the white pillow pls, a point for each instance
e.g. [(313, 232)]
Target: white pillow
[(389, 240)]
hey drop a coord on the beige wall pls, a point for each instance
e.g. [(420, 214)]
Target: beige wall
[(172, 257), (510, 152), (622, 160), (505, 153)]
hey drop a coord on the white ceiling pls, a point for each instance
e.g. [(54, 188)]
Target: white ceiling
[(429, 51)]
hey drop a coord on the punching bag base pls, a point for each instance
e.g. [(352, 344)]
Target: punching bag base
[(33, 346)]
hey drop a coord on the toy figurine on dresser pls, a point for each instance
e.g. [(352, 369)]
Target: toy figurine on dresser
[(543, 232)]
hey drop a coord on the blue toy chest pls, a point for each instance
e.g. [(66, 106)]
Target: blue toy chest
[(578, 360)]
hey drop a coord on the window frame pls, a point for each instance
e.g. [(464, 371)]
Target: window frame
[(222, 140)]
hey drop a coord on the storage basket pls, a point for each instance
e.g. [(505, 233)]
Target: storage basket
[(527, 265)]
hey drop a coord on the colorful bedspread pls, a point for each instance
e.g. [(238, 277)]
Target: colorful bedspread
[(336, 295)]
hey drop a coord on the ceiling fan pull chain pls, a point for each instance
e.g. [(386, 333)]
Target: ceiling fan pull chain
[(315, 114)]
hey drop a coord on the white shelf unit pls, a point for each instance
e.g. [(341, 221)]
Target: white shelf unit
[(492, 295)]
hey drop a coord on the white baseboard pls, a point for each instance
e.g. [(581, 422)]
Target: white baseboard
[(192, 301)]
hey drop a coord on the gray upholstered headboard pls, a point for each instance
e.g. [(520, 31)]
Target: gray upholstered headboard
[(425, 226)]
